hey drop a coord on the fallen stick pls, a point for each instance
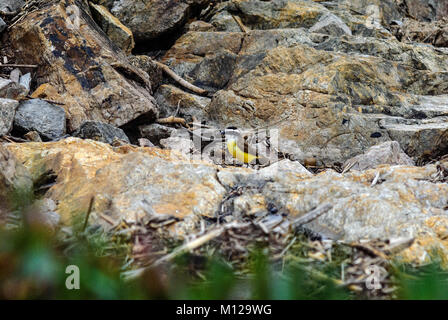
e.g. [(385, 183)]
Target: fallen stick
[(172, 120), (181, 81), (312, 215), (12, 65), (240, 24)]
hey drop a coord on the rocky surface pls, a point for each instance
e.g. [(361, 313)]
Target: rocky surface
[(350, 96), (151, 19), (80, 66), (40, 116)]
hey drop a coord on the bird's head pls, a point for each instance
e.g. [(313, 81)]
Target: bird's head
[(230, 133)]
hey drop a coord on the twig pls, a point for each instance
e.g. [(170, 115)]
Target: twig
[(13, 65), (181, 81), (190, 246), (313, 214), (172, 120), (89, 210), (240, 23)]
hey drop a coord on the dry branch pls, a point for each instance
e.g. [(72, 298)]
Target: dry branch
[(181, 81), (12, 65), (313, 214)]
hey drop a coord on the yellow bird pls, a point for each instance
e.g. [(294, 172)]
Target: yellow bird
[(239, 154), (238, 148)]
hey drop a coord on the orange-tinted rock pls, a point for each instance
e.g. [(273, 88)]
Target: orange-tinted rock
[(127, 182), (84, 68)]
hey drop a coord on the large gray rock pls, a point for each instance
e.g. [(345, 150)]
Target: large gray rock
[(150, 19), (100, 131), (7, 111), (38, 115)]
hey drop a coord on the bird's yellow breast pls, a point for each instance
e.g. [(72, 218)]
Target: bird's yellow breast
[(239, 154)]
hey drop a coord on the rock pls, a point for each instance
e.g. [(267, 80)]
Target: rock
[(152, 19), (127, 182), (385, 153), (32, 136), (200, 26), (223, 21), (257, 14), (11, 5), (38, 115), (15, 181), (182, 145), (170, 99), (100, 131), (206, 58), (11, 90), (150, 67), (377, 11), (427, 10), (404, 203), (115, 30), (331, 98), (283, 166), (15, 75), (2, 25), (25, 81), (79, 66), (155, 132), (332, 25), (7, 111)]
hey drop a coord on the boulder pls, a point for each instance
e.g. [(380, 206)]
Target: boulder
[(115, 30), (100, 131), (79, 66), (127, 182), (7, 111), (152, 19), (40, 116)]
